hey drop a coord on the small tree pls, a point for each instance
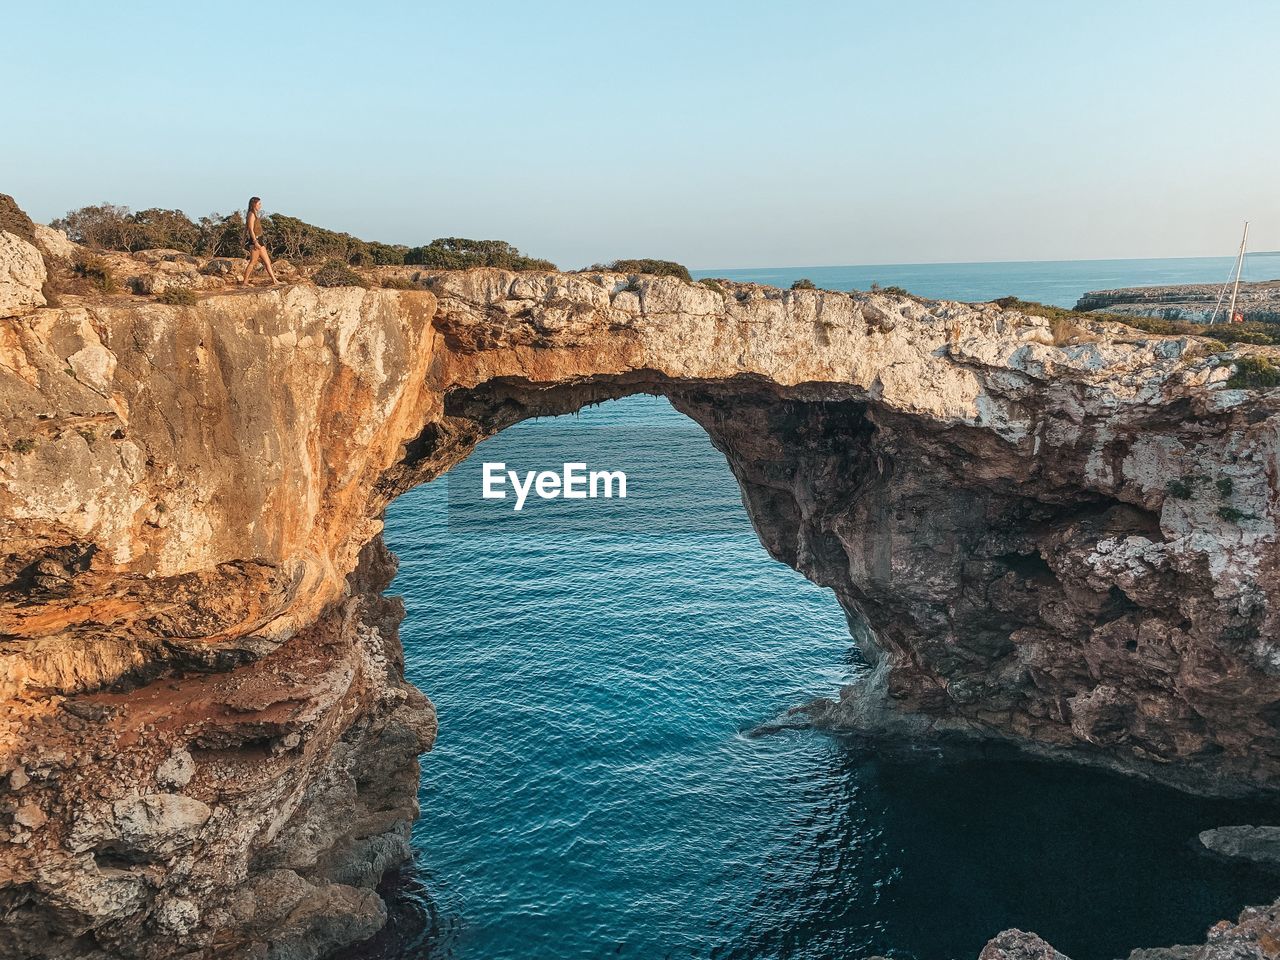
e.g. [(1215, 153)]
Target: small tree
[(104, 225), (459, 253), (171, 229), (804, 283), (656, 268), (221, 236)]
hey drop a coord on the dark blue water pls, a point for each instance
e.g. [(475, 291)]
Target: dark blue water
[(1058, 282), (598, 665)]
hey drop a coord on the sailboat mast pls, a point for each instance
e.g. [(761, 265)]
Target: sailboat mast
[(1231, 312)]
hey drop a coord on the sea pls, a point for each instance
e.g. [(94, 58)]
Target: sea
[(603, 668)]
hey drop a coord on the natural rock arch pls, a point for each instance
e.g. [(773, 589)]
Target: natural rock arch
[(207, 730)]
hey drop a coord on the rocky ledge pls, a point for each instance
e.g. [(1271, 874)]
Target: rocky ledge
[(1192, 302), (205, 734)]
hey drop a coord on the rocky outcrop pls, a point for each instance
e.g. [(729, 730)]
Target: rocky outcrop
[(1018, 945), (1255, 935), (22, 267), (1192, 302), (1260, 845), (205, 732)]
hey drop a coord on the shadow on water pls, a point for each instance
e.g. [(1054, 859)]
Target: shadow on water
[(929, 856), (594, 792), (926, 856)]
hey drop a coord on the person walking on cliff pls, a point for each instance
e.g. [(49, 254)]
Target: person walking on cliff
[(253, 242)]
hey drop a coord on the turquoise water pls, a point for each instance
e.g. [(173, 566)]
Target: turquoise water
[(599, 666)]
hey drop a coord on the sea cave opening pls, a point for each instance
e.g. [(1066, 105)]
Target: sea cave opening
[(599, 668)]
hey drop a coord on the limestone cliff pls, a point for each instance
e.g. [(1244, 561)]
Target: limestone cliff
[(1193, 302), (204, 729)]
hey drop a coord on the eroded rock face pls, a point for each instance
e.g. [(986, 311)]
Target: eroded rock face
[(204, 728), (22, 275), (23, 271)]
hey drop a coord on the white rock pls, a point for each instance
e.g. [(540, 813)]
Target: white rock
[(158, 820), (178, 770), (177, 916), (54, 243), (22, 275)]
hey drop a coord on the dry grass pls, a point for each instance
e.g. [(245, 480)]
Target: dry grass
[(178, 297), (1066, 331), (96, 272), (335, 273), (399, 283)]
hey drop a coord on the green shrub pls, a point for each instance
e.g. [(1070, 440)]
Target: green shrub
[(656, 268), (1222, 334), (1254, 373), (804, 283), (157, 227), (385, 254), (113, 227), (335, 273), (1232, 515), (1225, 486), (96, 271), (22, 445), (1181, 488), (459, 253), (302, 242), (104, 225), (177, 297), (712, 285), (399, 283), (892, 289)]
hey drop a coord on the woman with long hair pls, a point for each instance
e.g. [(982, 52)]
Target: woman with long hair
[(253, 241)]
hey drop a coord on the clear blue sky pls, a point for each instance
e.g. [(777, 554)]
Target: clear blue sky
[(717, 133)]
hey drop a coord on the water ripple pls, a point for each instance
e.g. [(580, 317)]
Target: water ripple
[(594, 793)]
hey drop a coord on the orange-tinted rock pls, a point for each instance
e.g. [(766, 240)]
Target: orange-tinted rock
[(1069, 545)]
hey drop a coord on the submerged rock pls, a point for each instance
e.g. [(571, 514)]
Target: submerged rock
[(1255, 844)]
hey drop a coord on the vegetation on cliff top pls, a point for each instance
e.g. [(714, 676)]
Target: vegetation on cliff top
[(458, 253), (177, 297), (656, 268), (1254, 373), (1225, 333), (335, 273), (95, 271), (110, 226)]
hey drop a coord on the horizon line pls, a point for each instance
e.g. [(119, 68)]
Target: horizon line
[(967, 263)]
